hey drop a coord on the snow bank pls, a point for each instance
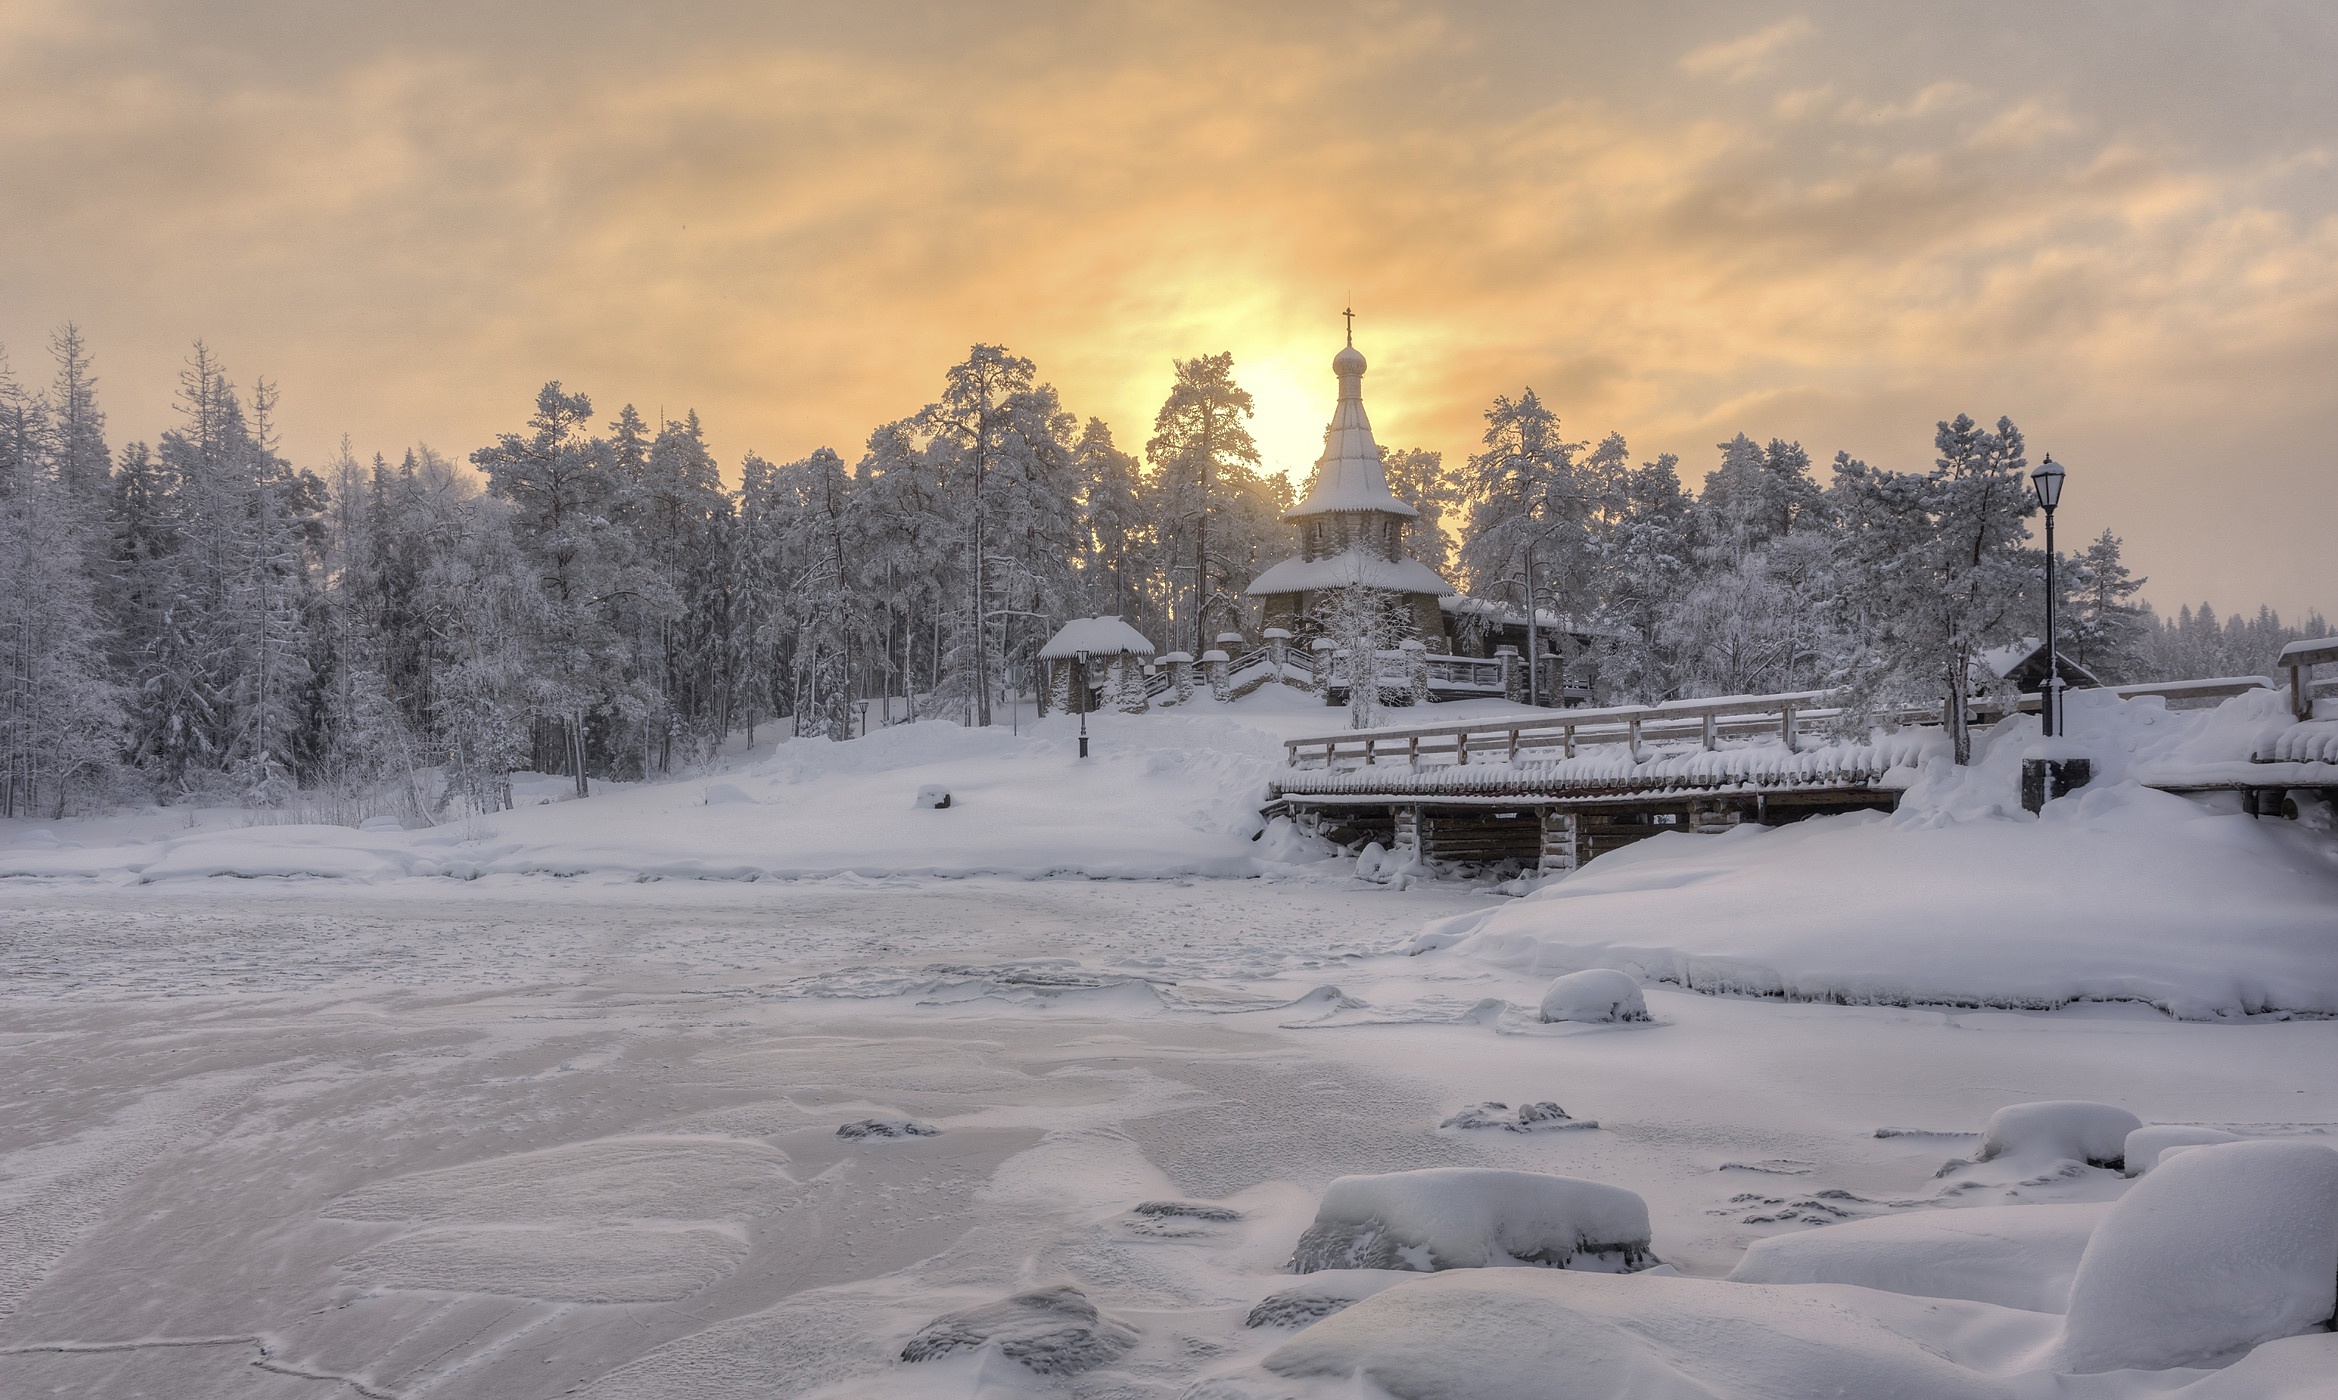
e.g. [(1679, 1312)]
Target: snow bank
[(2118, 892), (1535, 1334), (1165, 795), (2218, 1249), (2013, 1256), (2144, 1145), (1473, 1218), (1596, 994), (2059, 1130)]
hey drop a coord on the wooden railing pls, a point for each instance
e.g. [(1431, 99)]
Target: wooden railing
[(1707, 720)]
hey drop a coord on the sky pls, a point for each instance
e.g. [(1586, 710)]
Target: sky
[(2116, 223)]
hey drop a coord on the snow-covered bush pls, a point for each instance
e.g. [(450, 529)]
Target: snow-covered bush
[(1473, 1218), (2220, 1248), (2060, 1129), (2013, 1256), (1598, 994), (2145, 1145)]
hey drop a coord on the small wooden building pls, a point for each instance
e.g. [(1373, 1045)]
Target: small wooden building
[(1113, 675)]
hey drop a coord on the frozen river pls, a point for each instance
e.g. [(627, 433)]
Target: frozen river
[(532, 1137)]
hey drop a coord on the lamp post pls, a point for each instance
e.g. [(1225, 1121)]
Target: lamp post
[(1080, 688), (2047, 481)]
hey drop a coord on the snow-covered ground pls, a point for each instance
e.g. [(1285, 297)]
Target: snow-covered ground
[(561, 1128)]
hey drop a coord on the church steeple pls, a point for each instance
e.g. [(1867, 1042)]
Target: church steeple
[(1349, 474)]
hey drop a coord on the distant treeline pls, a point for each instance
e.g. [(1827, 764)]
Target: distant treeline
[(198, 619)]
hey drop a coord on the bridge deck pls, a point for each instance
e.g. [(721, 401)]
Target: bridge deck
[(1580, 781)]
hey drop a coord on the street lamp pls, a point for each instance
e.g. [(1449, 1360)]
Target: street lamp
[(1080, 687), (2047, 481)]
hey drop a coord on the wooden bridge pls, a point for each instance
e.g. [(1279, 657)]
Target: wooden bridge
[(1548, 791)]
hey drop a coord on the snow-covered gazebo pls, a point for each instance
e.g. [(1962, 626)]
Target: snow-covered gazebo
[(1120, 647), (1351, 526)]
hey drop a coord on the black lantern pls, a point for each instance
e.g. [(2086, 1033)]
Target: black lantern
[(2047, 482)]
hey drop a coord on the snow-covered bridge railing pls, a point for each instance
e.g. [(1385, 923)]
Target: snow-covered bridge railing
[(1534, 736)]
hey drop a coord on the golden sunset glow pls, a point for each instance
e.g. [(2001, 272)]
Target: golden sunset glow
[(1830, 223)]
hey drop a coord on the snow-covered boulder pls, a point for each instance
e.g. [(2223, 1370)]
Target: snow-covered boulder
[(2013, 1256), (2060, 1129), (932, 795), (1473, 1218), (1542, 1116), (864, 1128), (1321, 1294), (1053, 1331), (2220, 1248), (1599, 994), (2145, 1145)]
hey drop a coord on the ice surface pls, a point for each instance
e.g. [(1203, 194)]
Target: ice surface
[(2013, 1256), (567, 1263), (2217, 1249), (2145, 1144), (2059, 1130), (1595, 994), (1470, 1218), (1053, 1331)]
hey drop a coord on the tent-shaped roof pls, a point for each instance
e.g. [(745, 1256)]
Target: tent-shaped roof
[(1349, 476), (1097, 636)]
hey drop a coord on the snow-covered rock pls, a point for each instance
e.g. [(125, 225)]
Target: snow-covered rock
[(2013, 1256), (1321, 1294), (1542, 1116), (2145, 1144), (1471, 1218), (1052, 1331), (932, 795), (2059, 1129), (1595, 994), (887, 1128), (2220, 1248)]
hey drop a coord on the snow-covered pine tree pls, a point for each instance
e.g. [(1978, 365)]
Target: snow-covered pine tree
[(1419, 478), (1931, 570), (915, 557), (563, 486), (1756, 495), (1532, 498), (1200, 448), (59, 713), (683, 519), (1645, 563), (1115, 567), (1002, 447), (2105, 627)]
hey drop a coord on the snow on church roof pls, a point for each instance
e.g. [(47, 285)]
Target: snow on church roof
[(1097, 636), (1349, 476), (1348, 570)]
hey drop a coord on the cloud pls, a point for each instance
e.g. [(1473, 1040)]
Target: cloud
[(1749, 57), (794, 227)]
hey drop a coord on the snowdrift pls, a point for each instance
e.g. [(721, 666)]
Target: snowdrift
[(1164, 796), (2118, 892)]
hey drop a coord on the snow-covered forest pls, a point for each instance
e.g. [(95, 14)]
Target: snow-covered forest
[(594, 594)]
